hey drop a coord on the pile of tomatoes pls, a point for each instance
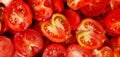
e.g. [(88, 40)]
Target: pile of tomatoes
[(59, 28)]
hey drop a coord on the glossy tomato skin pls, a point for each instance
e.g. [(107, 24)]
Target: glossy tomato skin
[(56, 29), (18, 16), (6, 46), (75, 50), (58, 5), (54, 50), (28, 42), (42, 9), (73, 18), (77, 4), (112, 22), (90, 34), (94, 7)]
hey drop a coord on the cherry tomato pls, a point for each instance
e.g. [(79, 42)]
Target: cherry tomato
[(6, 47), (18, 16), (94, 8), (42, 9), (112, 22), (57, 29), (28, 42), (104, 51), (58, 5), (90, 34), (75, 50), (73, 18), (76, 4), (54, 50)]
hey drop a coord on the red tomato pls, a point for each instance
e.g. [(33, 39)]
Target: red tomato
[(58, 5), (73, 18), (18, 16), (75, 50), (114, 4), (57, 29), (42, 9), (90, 34), (94, 8), (6, 47), (28, 42), (54, 50), (112, 22), (76, 4), (105, 51)]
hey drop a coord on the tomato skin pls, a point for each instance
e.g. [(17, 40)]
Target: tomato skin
[(58, 5), (42, 9), (54, 50), (112, 22), (94, 7), (6, 46), (28, 42), (73, 18), (77, 4), (53, 28), (18, 16), (74, 50)]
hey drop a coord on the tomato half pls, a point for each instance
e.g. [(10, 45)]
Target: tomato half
[(90, 34), (42, 9), (28, 42), (18, 16), (94, 8), (54, 50), (104, 51), (6, 47), (58, 5), (112, 22), (73, 18), (76, 4), (57, 29), (75, 50)]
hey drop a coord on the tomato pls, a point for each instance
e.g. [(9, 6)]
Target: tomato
[(18, 16), (54, 50), (6, 47), (112, 22), (90, 34), (104, 51), (76, 4), (75, 50), (57, 29), (94, 8), (28, 42), (42, 9), (58, 5), (73, 18), (114, 4)]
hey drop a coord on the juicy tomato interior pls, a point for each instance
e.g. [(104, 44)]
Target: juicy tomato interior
[(57, 29), (18, 16), (54, 50), (28, 42)]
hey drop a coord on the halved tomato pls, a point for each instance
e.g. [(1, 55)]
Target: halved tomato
[(76, 4), (28, 42), (18, 16), (54, 50), (94, 8), (57, 29), (90, 34), (42, 9), (112, 22), (75, 50), (104, 51), (73, 18), (6, 47)]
